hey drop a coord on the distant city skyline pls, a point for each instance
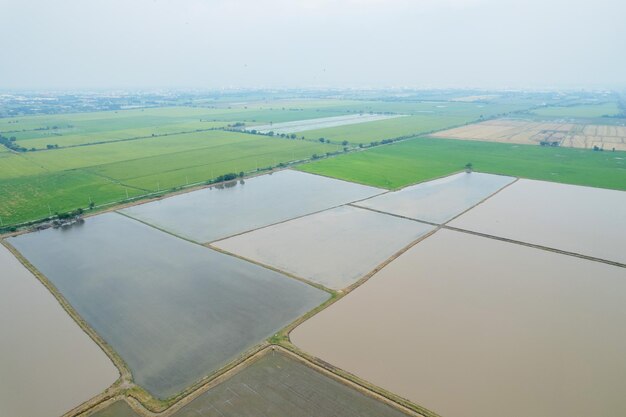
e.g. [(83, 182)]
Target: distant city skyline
[(214, 44)]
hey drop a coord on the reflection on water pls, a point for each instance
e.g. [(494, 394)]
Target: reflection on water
[(173, 310), (439, 200), (333, 248), (215, 213)]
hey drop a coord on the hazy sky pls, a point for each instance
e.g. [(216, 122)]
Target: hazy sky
[(312, 43)]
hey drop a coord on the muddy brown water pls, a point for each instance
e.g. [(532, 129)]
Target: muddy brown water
[(334, 248), (474, 327), (439, 200), (585, 220), (48, 365)]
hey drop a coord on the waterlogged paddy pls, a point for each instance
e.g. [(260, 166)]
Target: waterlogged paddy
[(584, 220), (333, 248), (215, 213), (321, 123), (48, 365), (439, 200), (475, 327), (173, 310), (278, 385)]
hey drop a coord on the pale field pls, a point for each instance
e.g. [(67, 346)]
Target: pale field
[(527, 132), (584, 220), (471, 99), (320, 123), (468, 326), (48, 364), (334, 247), (439, 200)]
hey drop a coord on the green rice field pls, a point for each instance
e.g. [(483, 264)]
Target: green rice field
[(584, 111), (34, 184), (386, 129), (417, 160)]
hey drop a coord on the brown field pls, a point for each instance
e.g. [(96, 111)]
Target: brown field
[(468, 326), (527, 132)]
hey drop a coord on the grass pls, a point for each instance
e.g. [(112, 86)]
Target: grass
[(386, 129), (421, 159), (584, 111), (97, 127), (66, 179)]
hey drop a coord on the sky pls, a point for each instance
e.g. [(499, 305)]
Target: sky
[(215, 44)]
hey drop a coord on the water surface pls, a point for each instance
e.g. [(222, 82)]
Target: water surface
[(585, 220), (215, 213), (475, 327), (439, 200), (48, 364), (276, 385), (175, 311), (334, 248)]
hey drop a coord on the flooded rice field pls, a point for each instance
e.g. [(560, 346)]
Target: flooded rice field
[(279, 385), (584, 220), (320, 123), (475, 327), (48, 365), (117, 409), (173, 310), (215, 213), (333, 248), (439, 200)]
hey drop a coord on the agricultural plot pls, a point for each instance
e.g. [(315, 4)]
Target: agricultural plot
[(34, 184), (387, 129), (333, 248), (216, 213), (583, 110), (277, 385), (476, 323), (117, 409), (321, 123), (571, 135), (173, 310), (97, 127), (422, 159), (48, 365), (439, 200), (583, 220)]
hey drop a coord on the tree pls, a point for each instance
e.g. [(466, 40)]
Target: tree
[(344, 143), (469, 167), (322, 140)]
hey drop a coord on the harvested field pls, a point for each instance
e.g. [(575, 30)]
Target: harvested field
[(439, 200), (584, 220), (321, 123), (278, 385), (333, 248), (215, 213), (467, 326), (48, 365), (527, 132), (173, 310)]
